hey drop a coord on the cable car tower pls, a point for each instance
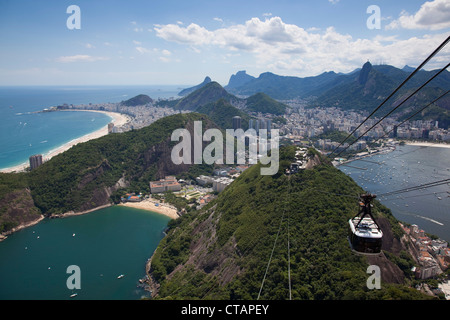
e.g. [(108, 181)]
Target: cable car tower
[(365, 234)]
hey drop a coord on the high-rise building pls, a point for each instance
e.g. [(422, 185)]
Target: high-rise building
[(251, 124), (237, 122), (35, 161)]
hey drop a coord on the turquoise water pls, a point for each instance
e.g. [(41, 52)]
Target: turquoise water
[(107, 243), (24, 133)]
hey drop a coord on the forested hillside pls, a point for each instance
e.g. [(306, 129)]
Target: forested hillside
[(223, 251)]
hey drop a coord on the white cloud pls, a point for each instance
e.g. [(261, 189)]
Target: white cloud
[(217, 19), (192, 34), (290, 48), (432, 15), (138, 43), (89, 46), (80, 58), (166, 52), (333, 1), (143, 50)]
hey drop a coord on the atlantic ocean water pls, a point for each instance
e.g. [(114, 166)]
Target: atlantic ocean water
[(105, 243), (23, 132)]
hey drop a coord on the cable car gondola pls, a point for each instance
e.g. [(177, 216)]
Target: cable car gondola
[(365, 234)]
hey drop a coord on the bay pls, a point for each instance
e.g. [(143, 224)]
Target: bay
[(410, 166), (104, 244)]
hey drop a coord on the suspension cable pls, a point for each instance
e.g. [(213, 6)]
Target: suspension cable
[(417, 90), (442, 45)]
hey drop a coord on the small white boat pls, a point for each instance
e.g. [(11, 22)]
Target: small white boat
[(121, 276), (73, 295)]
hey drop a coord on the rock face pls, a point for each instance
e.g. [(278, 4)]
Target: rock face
[(239, 79), (18, 210)]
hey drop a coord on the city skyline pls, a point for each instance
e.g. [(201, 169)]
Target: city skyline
[(179, 43)]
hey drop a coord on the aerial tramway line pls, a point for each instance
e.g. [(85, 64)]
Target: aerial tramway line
[(365, 234)]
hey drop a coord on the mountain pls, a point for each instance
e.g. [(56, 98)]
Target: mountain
[(222, 113), (187, 91), (284, 87), (209, 93), (368, 88), (362, 89), (261, 102), (139, 100), (239, 79), (407, 68), (222, 251), (89, 174)]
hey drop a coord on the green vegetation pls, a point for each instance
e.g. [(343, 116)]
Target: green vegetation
[(222, 252), (86, 175), (139, 100), (211, 92), (222, 113), (261, 102)]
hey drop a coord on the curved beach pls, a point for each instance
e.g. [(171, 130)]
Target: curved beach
[(150, 206), (117, 118)]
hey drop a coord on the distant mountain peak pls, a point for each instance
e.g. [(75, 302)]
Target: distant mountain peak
[(187, 91), (364, 73), (407, 68), (239, 79)]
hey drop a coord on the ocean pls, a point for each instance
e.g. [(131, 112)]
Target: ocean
[(409, 166), (103, 244), (24, 132), (119, 240)]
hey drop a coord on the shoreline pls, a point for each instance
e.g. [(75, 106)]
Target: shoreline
[(4, 235), (146, 205), (150, 206), (427, 144), (118, 119)]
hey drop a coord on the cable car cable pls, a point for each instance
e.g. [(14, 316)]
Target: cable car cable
[(442, 45), (417, 90)]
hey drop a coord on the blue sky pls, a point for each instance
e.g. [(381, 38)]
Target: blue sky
[(181, 42)]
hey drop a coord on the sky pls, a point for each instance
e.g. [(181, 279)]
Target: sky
[(155, 42)]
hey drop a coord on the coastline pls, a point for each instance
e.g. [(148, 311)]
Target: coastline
[(144, 205), (117, 118), (427, 144), (150, 206), (4, 235)]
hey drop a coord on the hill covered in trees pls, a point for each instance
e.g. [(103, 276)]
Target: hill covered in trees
[(223, 251), (88, 175)]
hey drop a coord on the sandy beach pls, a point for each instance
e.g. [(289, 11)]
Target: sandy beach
[(117, 118), (150, 206)]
